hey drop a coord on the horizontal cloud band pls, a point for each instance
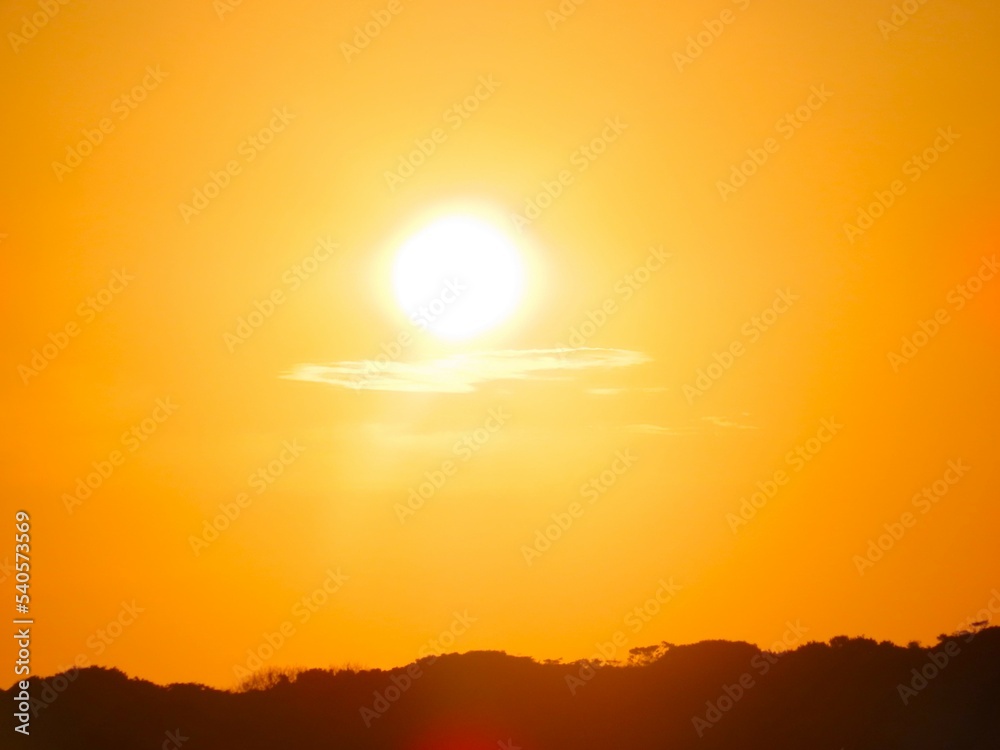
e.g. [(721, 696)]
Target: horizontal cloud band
[(463, 373)]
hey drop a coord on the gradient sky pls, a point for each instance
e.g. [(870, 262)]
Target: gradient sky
[(869, 98)]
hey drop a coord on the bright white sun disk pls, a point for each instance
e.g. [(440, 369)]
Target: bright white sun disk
[(458, 277)]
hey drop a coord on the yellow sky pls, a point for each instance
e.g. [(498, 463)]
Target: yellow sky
[(170, 171)]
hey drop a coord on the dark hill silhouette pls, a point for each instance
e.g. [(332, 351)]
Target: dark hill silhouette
[(845, 694)]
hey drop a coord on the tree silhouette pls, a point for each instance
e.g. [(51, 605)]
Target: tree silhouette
[(850, 693)]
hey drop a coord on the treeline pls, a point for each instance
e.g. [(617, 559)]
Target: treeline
[(851, 693)]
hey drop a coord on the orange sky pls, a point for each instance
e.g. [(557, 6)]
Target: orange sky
[(128, 273)]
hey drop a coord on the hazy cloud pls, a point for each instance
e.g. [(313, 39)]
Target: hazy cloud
[(691, 427), (463, 373)]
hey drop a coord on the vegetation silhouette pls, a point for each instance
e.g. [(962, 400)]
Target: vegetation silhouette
[(851, 693)]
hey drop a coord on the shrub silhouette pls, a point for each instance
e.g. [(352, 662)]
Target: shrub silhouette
[(821, 696)]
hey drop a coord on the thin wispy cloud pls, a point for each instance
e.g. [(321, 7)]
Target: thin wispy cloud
[(726, 422), (464, 373), (619, 391), (691, 427), (656, 429)]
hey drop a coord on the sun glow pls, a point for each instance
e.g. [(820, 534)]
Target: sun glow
[(458, 277)]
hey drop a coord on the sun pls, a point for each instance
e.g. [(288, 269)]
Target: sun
[(458, 277)]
